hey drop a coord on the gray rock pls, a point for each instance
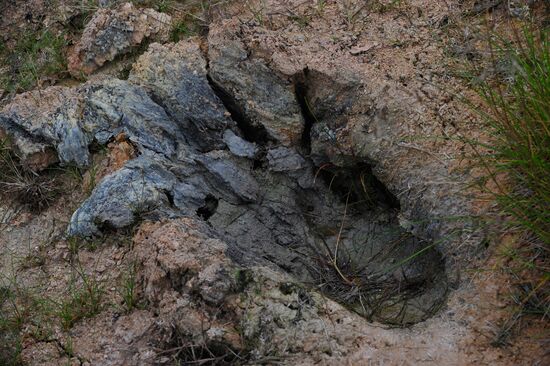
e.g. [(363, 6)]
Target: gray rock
[(189, 196), (50, 117), (33, 153), (238, 146), (139, 188), (230, 174), (116, 106), (266, 100), (175, 75), (284, 159)]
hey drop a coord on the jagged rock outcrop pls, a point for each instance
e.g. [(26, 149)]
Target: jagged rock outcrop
[(271, 203), (175, 77), (41, 119)]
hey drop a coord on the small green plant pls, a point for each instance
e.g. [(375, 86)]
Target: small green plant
[(74, 172), (302, 20), (92, 178), (163, 5), (519, 121), (84, 11), (73, 244), (10, 325), (84, 301), (68, 347), (351, 11), (257, 11), (129, 288), (320, 6), (180, 30), (19, 308)]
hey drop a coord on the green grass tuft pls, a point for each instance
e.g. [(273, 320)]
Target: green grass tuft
[(516, 163), (128, 289), (36, 56), (182, 29), (84, 301), (518, 118)]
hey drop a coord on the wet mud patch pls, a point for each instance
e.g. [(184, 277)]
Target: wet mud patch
[(340, 236), (368, 262)]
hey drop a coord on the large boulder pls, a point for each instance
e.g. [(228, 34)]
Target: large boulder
[(271, 204)]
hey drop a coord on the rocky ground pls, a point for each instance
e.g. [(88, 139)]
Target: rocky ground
[(288, 186)]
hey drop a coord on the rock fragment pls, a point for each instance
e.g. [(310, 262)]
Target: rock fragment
[(186, 255), (113, 32), (238, 146), (175, 76), (137, 189), (40, 119), (266, 100), (116, 106), (283, 159)]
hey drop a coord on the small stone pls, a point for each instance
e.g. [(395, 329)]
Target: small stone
[(238, 146), (355, 51), (283, 159)]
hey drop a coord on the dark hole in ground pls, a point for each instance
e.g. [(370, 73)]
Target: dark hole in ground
[(209, 207), (362, 258), (359, 187), (342, 237)]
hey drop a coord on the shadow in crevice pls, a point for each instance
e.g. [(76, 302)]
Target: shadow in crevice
[(209, 208), (365, 191), (251, 133), (301, 91)]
